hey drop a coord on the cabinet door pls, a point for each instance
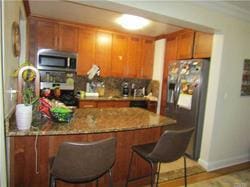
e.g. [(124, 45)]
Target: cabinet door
[(68, 38), (147, 58), (86, 54), (170, 55), (112, 104), (119, 55), (152, 106), (103, 52), (47, 34), (134, 57), (185, 43), (202, 45), (87, 104)]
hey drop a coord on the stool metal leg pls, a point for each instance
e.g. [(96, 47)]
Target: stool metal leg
[(152, 173), (158, 173), (97, 183), (185, 171), (129, 168), (110, 178)]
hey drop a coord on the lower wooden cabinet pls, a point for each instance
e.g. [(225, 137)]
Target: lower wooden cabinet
[(27, 170), (87, 104), (151, 105), (113, 104)]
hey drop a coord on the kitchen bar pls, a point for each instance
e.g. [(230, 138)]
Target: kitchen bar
[(129, 125)]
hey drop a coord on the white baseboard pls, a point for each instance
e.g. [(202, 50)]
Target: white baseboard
[(211, 166)]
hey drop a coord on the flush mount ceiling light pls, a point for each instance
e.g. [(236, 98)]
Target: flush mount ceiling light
[(131, 22)]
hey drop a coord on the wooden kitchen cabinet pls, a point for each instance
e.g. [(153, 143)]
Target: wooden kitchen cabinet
[(147, 58), (119, 55), (202, 45), (134, 57), (68, 38), (112, 104), (152, 106), (86, 47), (185, 41), (103, 45), (103, 104), (170, 55), (87, 104), (53, 35), (171, 48), (46, 33)]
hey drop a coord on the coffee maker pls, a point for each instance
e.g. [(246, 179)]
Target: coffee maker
[(125, 89)]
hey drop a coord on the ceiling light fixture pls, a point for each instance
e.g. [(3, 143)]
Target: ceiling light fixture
[(131, 22)]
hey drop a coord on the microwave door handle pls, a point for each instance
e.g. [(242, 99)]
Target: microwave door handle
[(68, 62)]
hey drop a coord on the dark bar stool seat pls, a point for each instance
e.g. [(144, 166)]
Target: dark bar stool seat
[(83, 162), (170, 147)]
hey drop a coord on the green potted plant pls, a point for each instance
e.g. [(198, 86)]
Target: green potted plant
[(24, 110)]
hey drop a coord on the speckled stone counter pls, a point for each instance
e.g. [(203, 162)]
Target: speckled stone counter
[(97, 120)]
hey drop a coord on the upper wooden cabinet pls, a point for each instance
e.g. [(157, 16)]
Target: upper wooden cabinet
[(53, 35), (185, 41), (191, 44), (134, 57), (86, 53), (171, 48), (103, 45), (119, 55), (170, 55), (147, 58), (68, 38), (46, 33), (202, 45)]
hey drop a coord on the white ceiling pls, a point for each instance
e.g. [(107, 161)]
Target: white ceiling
[(76, 12)]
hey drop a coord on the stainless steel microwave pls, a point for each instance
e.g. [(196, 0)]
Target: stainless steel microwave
[(49, 59)]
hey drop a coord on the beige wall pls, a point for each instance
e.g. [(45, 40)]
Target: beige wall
[(13, 10), (226, 139)]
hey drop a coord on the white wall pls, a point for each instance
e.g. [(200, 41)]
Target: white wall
[(13, 11), (226, 139), (159, 57)]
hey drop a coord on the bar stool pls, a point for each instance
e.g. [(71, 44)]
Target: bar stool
[(83, 162), (170, 147)]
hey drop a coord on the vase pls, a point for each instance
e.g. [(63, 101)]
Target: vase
[(23, 116)]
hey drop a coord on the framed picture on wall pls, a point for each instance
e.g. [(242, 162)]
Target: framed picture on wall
[(245, 84)]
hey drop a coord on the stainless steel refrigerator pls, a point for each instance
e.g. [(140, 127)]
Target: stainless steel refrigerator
[(186, 98)]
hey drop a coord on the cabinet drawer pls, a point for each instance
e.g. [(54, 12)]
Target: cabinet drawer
[(112, 104), (87, 104)]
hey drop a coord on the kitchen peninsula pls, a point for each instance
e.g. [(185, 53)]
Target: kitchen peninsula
[(129, 126)]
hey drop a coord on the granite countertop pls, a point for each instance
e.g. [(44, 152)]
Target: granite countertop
[(96, 120)]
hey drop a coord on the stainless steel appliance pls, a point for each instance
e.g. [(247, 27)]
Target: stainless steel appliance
[(125, 89), (57, 71), (187, 88), (48, 59)]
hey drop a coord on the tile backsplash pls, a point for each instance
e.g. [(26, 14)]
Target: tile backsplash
[(113, 85)]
